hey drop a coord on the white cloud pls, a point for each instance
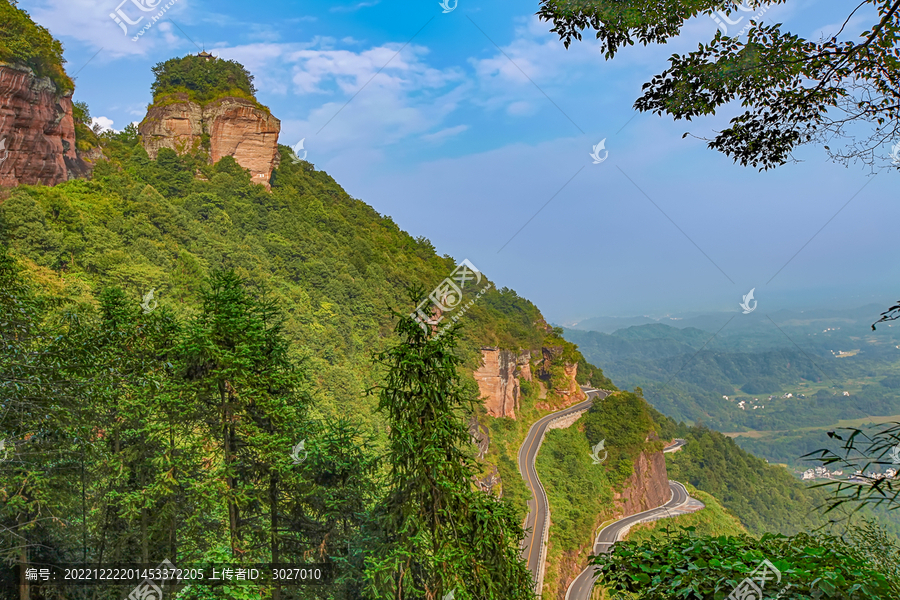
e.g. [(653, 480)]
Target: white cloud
[(354, 7), (94, 24), (104, 123), (443, 134)]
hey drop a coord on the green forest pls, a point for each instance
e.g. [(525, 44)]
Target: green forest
[(202, 79), (196, 368), (686, 375)]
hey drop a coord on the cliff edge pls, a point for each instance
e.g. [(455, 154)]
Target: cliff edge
[(228, 126), (37, 130)]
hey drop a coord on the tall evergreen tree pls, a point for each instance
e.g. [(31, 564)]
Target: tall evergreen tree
[(440, 535), (236, 363)]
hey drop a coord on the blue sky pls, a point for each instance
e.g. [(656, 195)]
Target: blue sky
[(468, 125)]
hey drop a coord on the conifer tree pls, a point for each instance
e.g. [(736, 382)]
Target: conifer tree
[(439, 534), (236, 364)]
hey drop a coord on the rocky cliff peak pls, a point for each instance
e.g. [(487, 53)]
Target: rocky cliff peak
[(37, 130), (207, 105)]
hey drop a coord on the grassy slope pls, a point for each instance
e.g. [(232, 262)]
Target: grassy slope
[(580, 496), (713, 520)]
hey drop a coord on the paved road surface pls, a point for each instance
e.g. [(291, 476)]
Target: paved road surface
[(537, 506), (580, 589), (678, 443)]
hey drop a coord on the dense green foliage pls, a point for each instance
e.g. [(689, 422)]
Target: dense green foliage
[(85, 137), (440, 537), (793, 90), (25, 43), (152, 436), (765, 498), (710, 568), (332, 262), (686, 373), (202, 79), (624, 422), (579, 491)]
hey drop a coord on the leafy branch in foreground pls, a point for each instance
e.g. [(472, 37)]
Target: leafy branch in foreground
[(795, 91), (710, 568), (860, 452), (891, 314)]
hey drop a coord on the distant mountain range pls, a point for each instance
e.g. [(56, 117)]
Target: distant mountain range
[(687, 366)]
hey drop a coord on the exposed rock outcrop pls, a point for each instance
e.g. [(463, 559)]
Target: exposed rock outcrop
[(500, 374), (648, 486), (571, 391), (235, 127), (498, 381), (37, 130)]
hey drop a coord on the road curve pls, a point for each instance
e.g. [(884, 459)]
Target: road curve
[(676, 445), (580, 589), (538, 507)]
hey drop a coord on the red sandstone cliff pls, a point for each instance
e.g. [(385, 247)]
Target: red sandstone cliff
[(648, 487), (570, 391), (498, 380), (37, 131), (499, 375), (236, 128)]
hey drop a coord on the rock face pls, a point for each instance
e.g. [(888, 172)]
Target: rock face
[(571, 392), (501, 370), (498, 382), (37, 131), (235, 126), (648, 486)]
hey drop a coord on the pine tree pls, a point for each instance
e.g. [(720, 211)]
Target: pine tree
[(439, 534), (236, 364)]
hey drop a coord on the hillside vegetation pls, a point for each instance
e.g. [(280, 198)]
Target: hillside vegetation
[(25, 43), (712, 520), (202, 80), (332, 262), (686, 373)]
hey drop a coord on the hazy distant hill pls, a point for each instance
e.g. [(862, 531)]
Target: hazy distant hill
[(685, 371)]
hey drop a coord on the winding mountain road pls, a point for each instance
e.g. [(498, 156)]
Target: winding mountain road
[(676, 445), (580, 589), (537, 522)]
